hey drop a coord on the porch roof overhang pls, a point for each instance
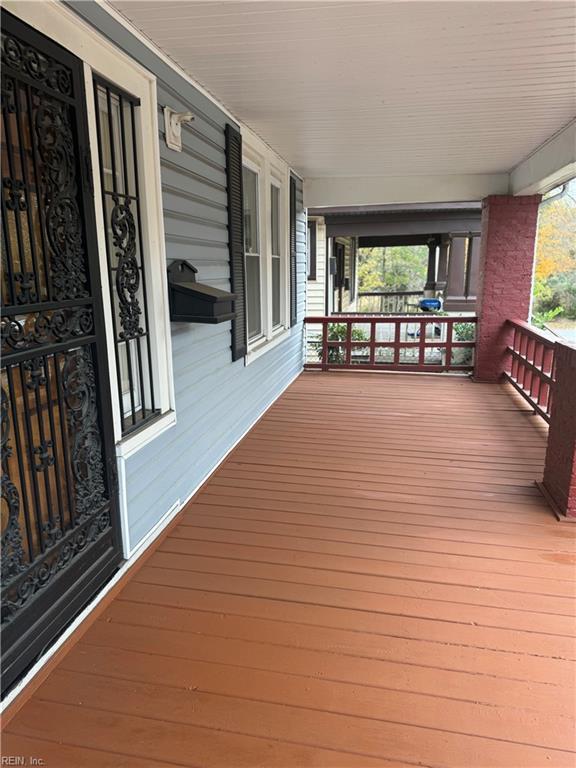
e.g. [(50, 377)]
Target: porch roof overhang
[(390, 241), (400, 221), (388, 102)]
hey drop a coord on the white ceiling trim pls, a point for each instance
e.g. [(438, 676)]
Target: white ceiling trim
[(382, 190), (550, 165)]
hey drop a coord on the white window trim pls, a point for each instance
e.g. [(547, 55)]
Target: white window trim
[(271, 169), (257, 351), (101, 57)]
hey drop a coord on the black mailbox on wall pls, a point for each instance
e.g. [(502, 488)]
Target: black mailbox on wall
[(192, 302)]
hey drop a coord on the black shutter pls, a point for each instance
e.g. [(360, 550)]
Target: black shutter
[(293, 254), (353, 261), (236, 239), (311, 250)]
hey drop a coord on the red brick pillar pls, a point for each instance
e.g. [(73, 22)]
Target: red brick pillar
[(560, 468), (505, 276)]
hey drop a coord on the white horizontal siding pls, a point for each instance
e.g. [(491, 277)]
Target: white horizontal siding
[(316, 295)]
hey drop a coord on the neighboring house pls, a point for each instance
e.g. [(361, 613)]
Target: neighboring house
[(342, 283), (450, 230), (317, 275), (332, 282)]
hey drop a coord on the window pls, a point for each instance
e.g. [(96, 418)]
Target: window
[(265, 196), (252, 249), (275, 253), (116, 129)]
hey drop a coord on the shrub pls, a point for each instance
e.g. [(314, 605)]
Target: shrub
[(557, 290), (464, 331), (337, 332), (540, 319)]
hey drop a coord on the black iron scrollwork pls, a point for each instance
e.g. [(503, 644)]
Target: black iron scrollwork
[(51, 533), (92, 512), (12, 549), (127, 272), (23, 58), (48, 327), (45, 455), (79, 385), (8, 95), (36, 373), (63, 219), (58, 513), (63, 548), (27, 293), (16, 194)]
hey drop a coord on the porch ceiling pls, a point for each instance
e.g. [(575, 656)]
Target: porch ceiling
[(380, 89)]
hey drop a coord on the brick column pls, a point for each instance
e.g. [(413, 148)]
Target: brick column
[(560, 468), (505, 276)]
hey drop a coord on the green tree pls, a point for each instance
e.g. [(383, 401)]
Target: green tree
[(400, 268), (555, 273)]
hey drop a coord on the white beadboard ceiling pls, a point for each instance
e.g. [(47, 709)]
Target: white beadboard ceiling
[(380, 88)]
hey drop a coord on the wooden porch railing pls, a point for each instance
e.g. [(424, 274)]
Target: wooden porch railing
[(390, 302), (531, 366), (431, 344)]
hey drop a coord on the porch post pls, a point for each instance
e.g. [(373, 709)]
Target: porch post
[(443, 263), (505, 280), (456, 270), (560, 469), (430, 287)]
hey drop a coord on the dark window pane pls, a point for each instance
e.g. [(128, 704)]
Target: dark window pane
[(251, 235), (253, 293), (275, 219), (275, 291)]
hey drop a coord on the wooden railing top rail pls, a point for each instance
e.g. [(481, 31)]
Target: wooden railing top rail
[(390, 293), (531, 366), (545, 337), (424, 317)]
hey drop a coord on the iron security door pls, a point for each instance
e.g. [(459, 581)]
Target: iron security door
[(60, 530)]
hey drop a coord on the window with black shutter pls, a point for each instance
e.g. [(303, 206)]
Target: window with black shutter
[(264, 213)]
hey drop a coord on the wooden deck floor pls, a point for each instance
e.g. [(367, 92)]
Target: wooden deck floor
[(370, 579)]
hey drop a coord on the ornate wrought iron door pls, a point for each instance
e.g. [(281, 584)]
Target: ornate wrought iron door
[(60, 536)]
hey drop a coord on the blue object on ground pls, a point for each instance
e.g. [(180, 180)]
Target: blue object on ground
[(427, 305)]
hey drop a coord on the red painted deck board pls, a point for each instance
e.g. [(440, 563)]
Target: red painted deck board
[(370, 579)]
